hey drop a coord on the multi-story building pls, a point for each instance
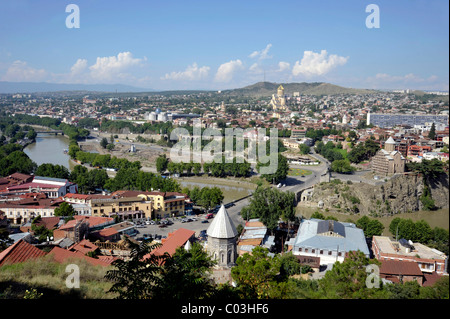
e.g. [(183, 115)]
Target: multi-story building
[(428, 259), (24, 210), (418, 150), (52, 187), (328, 240), (391, 119)]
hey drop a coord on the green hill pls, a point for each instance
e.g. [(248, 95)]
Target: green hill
[(313, 88)]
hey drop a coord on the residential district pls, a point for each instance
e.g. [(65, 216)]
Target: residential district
[(373, 138)]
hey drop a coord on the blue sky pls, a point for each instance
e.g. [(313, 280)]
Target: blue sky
[(226, 44)]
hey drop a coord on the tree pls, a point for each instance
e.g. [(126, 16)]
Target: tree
[(185, 275), (432, 132), (65, 209), (16, 162), (137, 277), (371, 227), (270, 205), (304, 149), (347, 280), (104, 142), (51, 170), (342, 166), (280, 173), (255, 273)]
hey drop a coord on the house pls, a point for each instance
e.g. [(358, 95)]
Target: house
[(25, 209), (401, 271), (429, 260), (61, 255), (328, 240), (13, 180), (79, 227), (20, 251), (52, 187), (174, 240), (418, 150), (253, 235), (84, 247)]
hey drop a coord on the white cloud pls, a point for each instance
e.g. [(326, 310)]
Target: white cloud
[(226, 71), (19, 71), (314, 63), (255, 68), (79, 66), (192, 73), (111, 68), (263, 54), (283, 66)]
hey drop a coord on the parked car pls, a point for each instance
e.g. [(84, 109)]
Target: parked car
[(205, 221)]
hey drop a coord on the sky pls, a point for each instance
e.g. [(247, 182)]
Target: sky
[(217, 45)]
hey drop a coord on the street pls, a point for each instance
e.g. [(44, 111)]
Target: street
[(196, 225)]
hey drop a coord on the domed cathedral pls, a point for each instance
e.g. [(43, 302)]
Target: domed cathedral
[(222, 239), (278, 101)]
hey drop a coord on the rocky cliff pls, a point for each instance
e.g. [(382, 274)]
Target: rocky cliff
[(400, 194)]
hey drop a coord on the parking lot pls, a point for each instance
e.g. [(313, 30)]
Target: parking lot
[(197, 223)]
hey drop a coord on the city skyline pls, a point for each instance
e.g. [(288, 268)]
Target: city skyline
[(203, 45)]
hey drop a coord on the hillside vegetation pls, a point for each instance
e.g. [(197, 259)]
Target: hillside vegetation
[(264, 89)]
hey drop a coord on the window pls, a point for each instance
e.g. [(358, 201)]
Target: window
[(300, 249), (329, 253), (321, 252), (313, 251)]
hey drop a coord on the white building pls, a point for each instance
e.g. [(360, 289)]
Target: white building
[(328, 240)]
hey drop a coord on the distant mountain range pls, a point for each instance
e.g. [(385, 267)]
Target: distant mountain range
[(35, 87), (260, 89), (314, 88)]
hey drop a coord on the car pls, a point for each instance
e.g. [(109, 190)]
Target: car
[(205, 221), (162, 226)]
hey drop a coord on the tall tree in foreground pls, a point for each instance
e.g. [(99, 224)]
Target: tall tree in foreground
[(137, 277), (185, 275)]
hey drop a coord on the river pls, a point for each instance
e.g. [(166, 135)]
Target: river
[(49, 148)]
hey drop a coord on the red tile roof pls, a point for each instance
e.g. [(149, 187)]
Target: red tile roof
[(84, 247), (19, 252), (430, 279), (92, 220), (396, 267), (61, 255), (48, 222), (176, 239)]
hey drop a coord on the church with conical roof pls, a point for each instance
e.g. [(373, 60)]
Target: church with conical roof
[(222, 239), (388, 161)]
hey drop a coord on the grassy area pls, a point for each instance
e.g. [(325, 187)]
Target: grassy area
[(232, 188), (49, 278), (298, 172)]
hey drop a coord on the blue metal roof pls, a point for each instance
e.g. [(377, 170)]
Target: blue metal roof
[(310, 235)]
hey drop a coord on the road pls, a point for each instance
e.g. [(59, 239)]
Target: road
[(197, 226), (297, 184)]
